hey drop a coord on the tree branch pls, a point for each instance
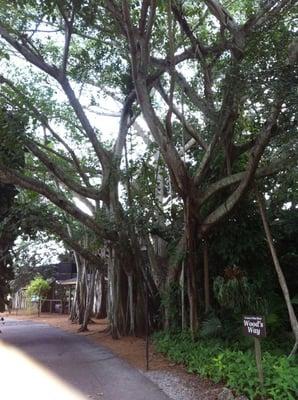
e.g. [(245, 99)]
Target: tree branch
[(44, 120), (181, 118), (223, 16), (254, 159), (52, 167), (199, 52), (273, 168), (9, 176), (268, 10), (77, 107), (200, 102), (124, 125), (33, 58), (57, 228)]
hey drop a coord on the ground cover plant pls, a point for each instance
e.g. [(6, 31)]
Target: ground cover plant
[(233, 364)]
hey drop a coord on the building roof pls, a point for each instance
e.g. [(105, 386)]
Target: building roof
[(67, 282)]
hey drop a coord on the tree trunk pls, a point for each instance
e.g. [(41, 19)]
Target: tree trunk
[(101, 289), (182, 285), (191, 232), (97, 294), (118, 300), (74, 307), (280, 275), (82, 297), (89, 301), (206, 277), (192, 298), (112, 296), (131, 306), (174, 275), (109, 286)]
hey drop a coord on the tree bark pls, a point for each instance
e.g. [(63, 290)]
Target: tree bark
[(82, 297), (191, 232), (131, 305), (206, 277), (182, 285), (89, 300), (74, 307), (101, 293)]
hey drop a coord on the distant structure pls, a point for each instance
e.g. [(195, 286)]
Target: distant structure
[(62, 280), (64, 270)]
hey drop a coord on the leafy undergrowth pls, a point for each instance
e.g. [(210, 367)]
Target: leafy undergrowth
[(214, 359)]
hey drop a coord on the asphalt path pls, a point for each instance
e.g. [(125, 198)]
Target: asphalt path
[(85, 370)]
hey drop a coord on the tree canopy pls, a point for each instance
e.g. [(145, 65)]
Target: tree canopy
[(203, 95)]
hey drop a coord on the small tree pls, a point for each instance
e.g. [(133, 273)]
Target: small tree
[(39, 288)]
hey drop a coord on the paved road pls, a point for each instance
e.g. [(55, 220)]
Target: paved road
[(93, 370)]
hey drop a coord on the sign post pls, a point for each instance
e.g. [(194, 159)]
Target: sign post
[(254, 325), (258, 353)]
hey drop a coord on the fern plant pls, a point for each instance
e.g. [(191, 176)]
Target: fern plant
[(211, 326)]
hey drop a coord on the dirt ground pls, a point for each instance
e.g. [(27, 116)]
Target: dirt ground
[(132, 349)]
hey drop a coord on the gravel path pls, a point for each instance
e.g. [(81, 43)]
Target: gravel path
[(172, 385), (177, 387)]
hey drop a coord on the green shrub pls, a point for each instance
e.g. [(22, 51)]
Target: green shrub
[(38, 288), (221, 362)]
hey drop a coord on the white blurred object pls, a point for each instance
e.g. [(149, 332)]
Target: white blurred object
[(23, 378)]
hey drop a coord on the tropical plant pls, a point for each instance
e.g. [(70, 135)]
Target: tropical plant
[(38, 288)]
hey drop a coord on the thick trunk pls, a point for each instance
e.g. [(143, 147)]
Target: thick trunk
[(191, 232), (280, 275), (82, 294), (192, 298), (113, 297), (110, 286), (158, 263), (97, 294), (173, 277), (118, 301), (118, 283), (101, 300), (74, 307), (206, 277), (89, 301)]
